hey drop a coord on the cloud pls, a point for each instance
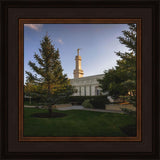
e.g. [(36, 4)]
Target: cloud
[(60, 41), (35, 27)]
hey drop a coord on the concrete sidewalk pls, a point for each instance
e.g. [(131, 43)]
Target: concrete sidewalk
[(102, 110), (79, 107), (26, 106), (87, 109), (71, 108)]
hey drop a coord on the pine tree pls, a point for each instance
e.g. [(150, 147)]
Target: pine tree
[(49, 83), (121, 80), (127, 63)]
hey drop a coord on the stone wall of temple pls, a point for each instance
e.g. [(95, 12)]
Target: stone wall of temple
[(87, 86)]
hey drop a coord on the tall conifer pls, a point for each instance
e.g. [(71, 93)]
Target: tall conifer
[(49, 83), (121, 80)]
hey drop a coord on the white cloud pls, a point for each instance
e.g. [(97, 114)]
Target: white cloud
[(60, 41), (36, 27)]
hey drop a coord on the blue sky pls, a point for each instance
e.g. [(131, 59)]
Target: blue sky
[(98, 43)]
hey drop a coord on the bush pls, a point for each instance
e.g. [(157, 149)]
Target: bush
[(77, 99), (40, 101), (87, 104), (98, 102), (128, 111), (34, 101), (132, 100)]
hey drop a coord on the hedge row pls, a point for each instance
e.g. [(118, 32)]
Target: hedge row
[(98, 102)]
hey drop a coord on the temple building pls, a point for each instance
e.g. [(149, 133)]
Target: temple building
[(85, 86)]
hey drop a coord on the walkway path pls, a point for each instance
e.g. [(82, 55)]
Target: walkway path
[(27, 106), (81, 108), (87, 109)]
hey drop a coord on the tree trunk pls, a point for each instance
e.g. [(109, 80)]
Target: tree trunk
[(50, 110), (49, 106)]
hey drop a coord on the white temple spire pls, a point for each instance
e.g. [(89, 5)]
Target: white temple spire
[(78, 72)]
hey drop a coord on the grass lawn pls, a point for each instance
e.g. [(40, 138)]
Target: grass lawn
[(78, 123)]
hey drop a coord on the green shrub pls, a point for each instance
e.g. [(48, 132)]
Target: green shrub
[(77, 99), (132, 100), (128, 111), (98, 102), (87, 104), (40, 101)]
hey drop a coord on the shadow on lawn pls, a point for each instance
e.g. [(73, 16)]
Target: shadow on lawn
[(47, 115), (129, 130)]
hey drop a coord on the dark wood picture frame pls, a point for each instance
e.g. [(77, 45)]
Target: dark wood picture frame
[(146, 147)]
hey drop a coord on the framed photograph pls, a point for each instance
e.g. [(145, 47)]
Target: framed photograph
[(80, 80), (97, 99)]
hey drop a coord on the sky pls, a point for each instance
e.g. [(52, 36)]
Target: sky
[(98, 43)]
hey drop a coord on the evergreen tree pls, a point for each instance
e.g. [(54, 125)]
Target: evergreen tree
[(49, 83), (120, 81)]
